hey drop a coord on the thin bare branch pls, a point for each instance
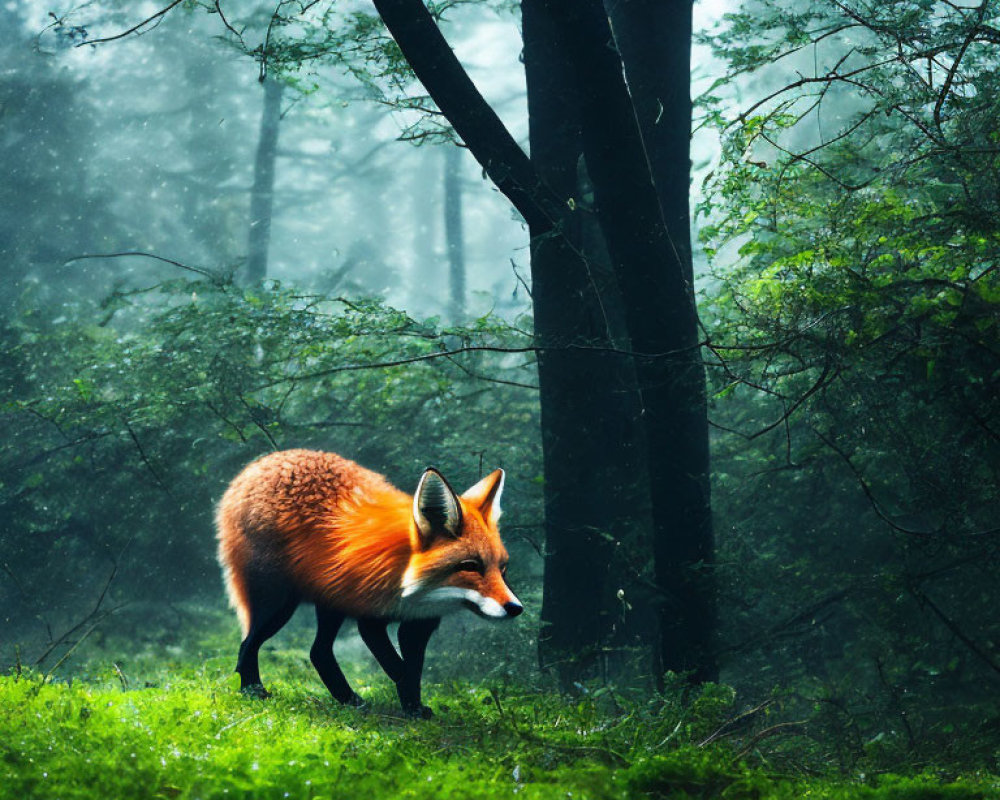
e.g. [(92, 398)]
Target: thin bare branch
[(214, 277), (781, 728), (951, 625), (950, 77), (155, 18), (730, 725), (145, 458), (876, 506)]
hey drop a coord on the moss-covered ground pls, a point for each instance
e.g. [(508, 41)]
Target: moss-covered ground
[(190, 734)]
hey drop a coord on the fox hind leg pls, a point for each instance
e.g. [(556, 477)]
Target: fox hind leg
[(271, 605), (328, 622)]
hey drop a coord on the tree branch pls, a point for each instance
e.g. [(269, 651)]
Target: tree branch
[(876, 506), (212, 276), (951, 625), (774, 730), (96, 616), (448, 354), (451, 88), (953, 70), (145, 458), (135, 28)]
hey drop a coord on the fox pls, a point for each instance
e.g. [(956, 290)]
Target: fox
[(305, 526)]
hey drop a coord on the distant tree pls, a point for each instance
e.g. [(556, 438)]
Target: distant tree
[(454, 232), (262, 191), (49, 203)]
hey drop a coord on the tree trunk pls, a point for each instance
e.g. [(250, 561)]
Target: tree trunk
[(262, 193), (424, 283), (653, 38), (591, 614), (659, 310), (662, 324), (454, 236)]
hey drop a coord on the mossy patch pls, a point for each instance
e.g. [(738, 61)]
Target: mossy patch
[(195, 736)]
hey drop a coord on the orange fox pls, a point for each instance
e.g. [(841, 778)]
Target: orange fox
[(306, 526)]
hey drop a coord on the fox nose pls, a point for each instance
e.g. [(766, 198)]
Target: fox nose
[(513, 609)]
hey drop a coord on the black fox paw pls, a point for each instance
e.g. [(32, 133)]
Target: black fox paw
[(255, 691), (353, 699), (418, 712)]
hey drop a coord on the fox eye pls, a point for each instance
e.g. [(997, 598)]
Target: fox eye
[(470, 565)]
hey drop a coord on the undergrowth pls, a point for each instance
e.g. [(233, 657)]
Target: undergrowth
[(190, 734)]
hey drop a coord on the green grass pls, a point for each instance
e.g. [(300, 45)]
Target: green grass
[(195, 736)]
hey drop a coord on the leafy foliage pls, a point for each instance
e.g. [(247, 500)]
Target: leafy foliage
[(855, 334), (303, 41)]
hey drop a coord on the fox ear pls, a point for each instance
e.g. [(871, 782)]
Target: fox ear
[(485, 495), (436, 509)]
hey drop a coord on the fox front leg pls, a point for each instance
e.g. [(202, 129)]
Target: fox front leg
[(413, 637), (375, 635)]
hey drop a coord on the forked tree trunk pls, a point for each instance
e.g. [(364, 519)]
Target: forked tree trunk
[(588, 402), (654, 280), (654, 273)]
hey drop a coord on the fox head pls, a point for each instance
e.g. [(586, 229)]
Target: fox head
[(458, 560)]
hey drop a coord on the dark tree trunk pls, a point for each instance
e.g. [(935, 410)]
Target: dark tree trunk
[(262, 193), (588, 408), (659, 310), (662, 324), (454, 235), (653, 38)]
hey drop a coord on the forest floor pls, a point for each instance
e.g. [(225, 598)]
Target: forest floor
[(187, 732)]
